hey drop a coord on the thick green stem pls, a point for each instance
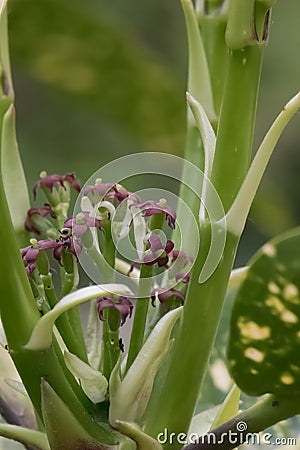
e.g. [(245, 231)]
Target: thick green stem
[(236, 125), (193, 345), (213, 35)]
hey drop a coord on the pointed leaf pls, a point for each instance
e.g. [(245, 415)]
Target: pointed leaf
[(238, 213), (93, 383), (199, 83), (14, 181), (93, 336), (201, 423), (129, 397), (42, 334), (63, 429), (206, 131), (264, 344), (229, 408)]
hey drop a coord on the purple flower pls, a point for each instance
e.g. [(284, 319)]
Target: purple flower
[(184, 277), (49, 181), (120, 303), (110, 191), (164, 294), (33, 213), (103, 189), (153, 207), (30, 253), (79, 224), (70, 178), (158, 253)]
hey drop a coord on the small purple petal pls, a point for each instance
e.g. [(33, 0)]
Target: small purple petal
[(70, 178)]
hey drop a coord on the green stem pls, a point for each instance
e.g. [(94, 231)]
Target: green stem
[(213, 35), (71, 334), (142, 302), (111, 323), (236, 125), (266, 412), (193, 344), (140, 316)]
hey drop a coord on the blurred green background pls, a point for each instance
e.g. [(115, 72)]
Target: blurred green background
[(99, 79)]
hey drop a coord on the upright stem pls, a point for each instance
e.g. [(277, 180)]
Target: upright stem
[(204, 302), (237, 119), (192, 346)]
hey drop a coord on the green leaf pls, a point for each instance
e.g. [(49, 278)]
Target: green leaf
[(63, 429), (93, 383), (199, 83), (264, 345), (12, 172), (229, 408), (238, 212), (26, 436), (42, 334), (206, 131), (129, 397), (201, 423)]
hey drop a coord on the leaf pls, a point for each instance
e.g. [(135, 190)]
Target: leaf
[(238, 212), (93, 383), (24, 435), (229, 408), (264, 345), (63, 429), (93, 336), (12, 172), (129, 397), (206, 131), (201, 423), (199, 82), (42, 334)]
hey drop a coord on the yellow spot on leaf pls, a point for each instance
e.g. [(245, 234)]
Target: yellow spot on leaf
[(251, 330), (269, 250), (287, 378), (289, 317), (254, 354), (290, 291), (274, 288)]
